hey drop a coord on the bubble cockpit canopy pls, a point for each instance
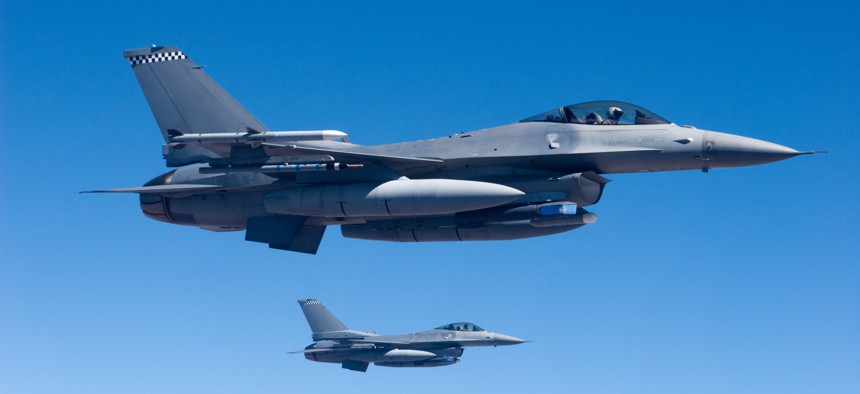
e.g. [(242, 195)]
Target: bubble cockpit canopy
[(462, 326), (599, 113)]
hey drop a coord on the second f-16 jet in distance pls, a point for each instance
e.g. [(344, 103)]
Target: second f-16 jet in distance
[(283, 188), (355, 350)]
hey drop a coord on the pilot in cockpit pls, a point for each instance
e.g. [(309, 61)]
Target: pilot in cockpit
[(613, 115), (593, 118)]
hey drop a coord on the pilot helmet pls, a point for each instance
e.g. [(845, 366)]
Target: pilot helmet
[(614, 113)]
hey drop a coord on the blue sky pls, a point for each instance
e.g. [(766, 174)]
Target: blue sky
[(741, 280)]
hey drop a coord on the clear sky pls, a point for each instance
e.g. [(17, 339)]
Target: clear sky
[(735, 281)]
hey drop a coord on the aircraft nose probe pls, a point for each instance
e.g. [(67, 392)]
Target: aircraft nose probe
[(504, 340), (729, 150)]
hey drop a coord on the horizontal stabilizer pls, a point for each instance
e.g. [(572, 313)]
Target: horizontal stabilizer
[(160, 189)]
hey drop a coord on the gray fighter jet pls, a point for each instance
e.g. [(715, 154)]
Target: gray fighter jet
[(334, 343), (527, 179)]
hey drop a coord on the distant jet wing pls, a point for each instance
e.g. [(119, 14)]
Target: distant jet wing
[(160, 189)]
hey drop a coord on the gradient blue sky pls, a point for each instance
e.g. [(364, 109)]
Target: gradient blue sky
[(740, 281)]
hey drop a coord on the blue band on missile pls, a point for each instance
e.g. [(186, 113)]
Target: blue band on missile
[(557, 209)]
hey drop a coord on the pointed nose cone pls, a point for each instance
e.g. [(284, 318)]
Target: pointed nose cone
[(727, 150), (504, 340)]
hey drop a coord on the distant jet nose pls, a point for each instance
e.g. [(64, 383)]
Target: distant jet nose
[(504, 340), (728, 150)]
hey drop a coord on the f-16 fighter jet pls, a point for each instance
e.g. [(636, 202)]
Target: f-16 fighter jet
[(283, 188), (355, 350)]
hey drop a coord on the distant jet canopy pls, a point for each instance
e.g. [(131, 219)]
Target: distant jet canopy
[(462, 326), (600, 113)]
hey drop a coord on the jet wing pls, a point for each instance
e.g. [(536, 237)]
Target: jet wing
[(396, 163), (344, 154), (376, 341)]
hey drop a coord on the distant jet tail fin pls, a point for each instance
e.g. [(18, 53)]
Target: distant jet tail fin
[(185, 99), (319, 318)]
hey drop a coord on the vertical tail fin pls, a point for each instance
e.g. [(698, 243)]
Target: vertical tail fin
[(184, 98), (319, 317)]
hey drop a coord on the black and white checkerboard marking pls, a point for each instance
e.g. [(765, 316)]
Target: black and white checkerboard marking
[(156, 57)]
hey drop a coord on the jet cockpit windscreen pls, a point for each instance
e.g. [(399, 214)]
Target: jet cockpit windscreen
[(600, 113), (462, 326)]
